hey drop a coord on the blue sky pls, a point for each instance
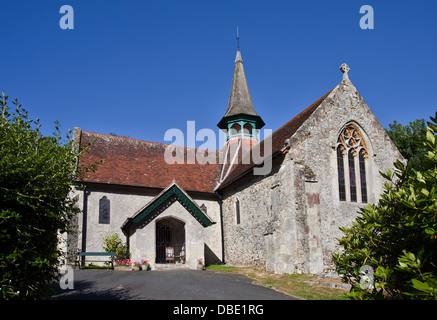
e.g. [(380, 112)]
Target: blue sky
[(139, 68)]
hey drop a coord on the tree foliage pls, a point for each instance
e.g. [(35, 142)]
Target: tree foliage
[(397, 237), (408, 140), (113, 243), (37, 174)]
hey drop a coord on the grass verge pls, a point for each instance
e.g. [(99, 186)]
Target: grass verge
[(295, 285)]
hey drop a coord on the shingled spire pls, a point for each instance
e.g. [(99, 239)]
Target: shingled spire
[(240, 107)]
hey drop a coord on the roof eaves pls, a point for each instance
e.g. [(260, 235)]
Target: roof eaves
[(183, 197)]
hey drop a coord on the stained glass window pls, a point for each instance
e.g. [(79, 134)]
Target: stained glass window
[(350, 145), (363, 176), (341, 182), (352, 182), (104, 210)]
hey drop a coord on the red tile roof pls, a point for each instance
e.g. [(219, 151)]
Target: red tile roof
[(141, 163), (278, 138)]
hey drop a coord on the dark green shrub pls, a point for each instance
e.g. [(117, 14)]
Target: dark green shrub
[(37, 174), (397, 237)]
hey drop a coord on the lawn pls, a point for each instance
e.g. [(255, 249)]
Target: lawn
[(301, 286)]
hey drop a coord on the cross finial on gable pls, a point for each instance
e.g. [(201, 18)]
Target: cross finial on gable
[(345, 69)]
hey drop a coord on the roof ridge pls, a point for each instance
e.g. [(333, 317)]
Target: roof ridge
[(146, 141), (278, 138), (315, 104)]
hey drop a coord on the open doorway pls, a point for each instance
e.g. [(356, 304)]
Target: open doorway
[(170, 241)]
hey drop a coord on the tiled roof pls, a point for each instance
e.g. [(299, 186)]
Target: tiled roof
[(172, 193), (278, 138), (141, 163)]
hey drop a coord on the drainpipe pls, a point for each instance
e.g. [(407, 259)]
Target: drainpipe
[(221, 226), (84, 222)]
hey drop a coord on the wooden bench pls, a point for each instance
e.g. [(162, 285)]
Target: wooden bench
[(80, 261)]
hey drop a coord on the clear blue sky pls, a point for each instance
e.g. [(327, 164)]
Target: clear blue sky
[(138, 68)]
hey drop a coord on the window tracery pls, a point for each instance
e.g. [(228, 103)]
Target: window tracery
[(351, 148)]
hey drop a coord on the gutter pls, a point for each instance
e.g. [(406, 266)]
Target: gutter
[(221, 226)]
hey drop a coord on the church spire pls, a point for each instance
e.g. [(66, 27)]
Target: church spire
[(240, 118), (238, 56)]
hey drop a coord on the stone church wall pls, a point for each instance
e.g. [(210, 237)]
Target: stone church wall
[(244, 239), (315, 146), (285, 222), (122, 205), (290, 219)]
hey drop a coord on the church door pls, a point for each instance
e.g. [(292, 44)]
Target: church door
[(170, 241)]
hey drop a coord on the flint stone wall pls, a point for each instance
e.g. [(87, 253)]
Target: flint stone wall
[(290, 218)]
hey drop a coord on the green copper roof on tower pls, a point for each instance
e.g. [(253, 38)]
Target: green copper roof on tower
[(240, 103)]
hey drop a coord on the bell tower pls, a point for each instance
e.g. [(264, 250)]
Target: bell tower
[(240, 119), (240, 123)]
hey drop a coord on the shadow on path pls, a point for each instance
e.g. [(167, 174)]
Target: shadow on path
[(163, 285)]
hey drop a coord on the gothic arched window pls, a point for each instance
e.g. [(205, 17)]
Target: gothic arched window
[(352, 180), (341, 181), (104, 210), (362, 161), (352, 177)]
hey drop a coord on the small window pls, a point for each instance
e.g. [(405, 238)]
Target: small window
[(247, 129), (237, 212), (235, 129), (203, 208), (104, 210)]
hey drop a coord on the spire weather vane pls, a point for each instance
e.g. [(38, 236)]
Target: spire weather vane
[(238, 40)]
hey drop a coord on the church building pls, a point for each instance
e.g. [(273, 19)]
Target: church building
[(275, 204)]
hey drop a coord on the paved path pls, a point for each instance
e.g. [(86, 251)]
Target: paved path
[(164, 285)]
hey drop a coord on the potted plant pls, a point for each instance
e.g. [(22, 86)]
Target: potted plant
[(124, 264), (200, 265), (136, 266), (145, 265)]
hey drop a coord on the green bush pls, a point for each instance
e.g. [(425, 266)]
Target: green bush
[(397, 237), (37, 174), (405, 138), (113, 243)]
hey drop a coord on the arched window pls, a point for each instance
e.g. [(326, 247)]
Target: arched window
[(352, 180), (235, 129), (352, 177), (341, 181), (237, 212), (104, 210), (247, 129), (203, 208), (362, 161)]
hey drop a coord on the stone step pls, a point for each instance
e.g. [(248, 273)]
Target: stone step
[(170, 266)]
